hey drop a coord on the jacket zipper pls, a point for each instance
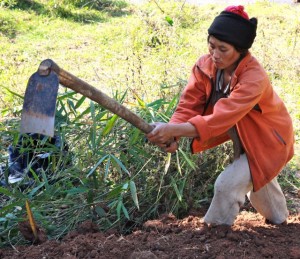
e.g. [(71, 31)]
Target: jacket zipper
[(211, 92), (210, 96), (279, 137)]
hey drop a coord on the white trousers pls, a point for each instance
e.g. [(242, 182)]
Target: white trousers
[(230, 189)]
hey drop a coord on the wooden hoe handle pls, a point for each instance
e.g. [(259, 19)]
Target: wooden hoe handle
[(79, 86)]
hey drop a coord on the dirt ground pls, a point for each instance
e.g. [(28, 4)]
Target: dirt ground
[(168, 237)]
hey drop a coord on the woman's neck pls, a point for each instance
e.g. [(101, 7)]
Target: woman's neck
[(229, 70)]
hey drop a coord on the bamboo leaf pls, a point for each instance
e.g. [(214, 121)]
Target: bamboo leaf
[(191, 163), (45, 180), (178, 164), (157, 104), (122, 97), (80, 102), (102, 115), (138, 152), (92, 106), (96, 165), (125, 211), (34, 190), (94, 126), (134, 193), (134, 137), (90, 197), (107, 166), (110, 124), (125, 186), (86, 111), (13, 93), (77, 190), (101, 212), (71, 106), (140, 101), (15, 194), (36, 178), (168, 162), (60, 113), (172, 104), (11, 206), (120, 164), (65, 95), (6, 192), (119, 207), (173, 182), (115, 192)]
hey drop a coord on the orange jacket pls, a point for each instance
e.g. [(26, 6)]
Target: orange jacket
[(266, 133)]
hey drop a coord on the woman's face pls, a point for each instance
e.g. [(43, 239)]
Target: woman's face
[(224, 55)]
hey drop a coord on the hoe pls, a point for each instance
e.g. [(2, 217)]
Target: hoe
[(40, 100)]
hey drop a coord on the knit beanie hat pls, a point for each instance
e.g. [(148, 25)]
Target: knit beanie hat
[(234, 27)]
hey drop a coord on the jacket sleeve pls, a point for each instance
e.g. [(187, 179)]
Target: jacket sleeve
[(247, 91), (192, 100)]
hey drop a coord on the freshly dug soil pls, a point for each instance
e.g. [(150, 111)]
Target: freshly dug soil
[(168, 237)]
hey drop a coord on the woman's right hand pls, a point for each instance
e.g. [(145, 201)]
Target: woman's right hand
[(162, 136), (165, 134)]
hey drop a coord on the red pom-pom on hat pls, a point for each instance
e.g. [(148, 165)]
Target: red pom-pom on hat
[(239, 9)]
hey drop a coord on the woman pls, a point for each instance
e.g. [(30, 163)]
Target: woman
[(229, 96)]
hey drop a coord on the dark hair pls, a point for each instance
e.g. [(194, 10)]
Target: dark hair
[(241, 50)]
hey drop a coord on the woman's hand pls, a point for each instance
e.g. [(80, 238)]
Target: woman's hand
[(164, 134), (172, 147), (161, 134), (163, 137)]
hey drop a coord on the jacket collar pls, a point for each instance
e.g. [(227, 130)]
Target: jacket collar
[(207, 66)]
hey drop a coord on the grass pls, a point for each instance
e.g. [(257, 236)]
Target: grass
[(136, 55)]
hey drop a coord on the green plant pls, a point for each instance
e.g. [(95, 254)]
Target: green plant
[(8, 26)]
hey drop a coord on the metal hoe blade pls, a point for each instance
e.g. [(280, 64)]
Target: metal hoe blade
[(38, 114)]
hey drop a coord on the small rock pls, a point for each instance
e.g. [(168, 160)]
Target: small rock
[(295, 252), (143, 255)]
